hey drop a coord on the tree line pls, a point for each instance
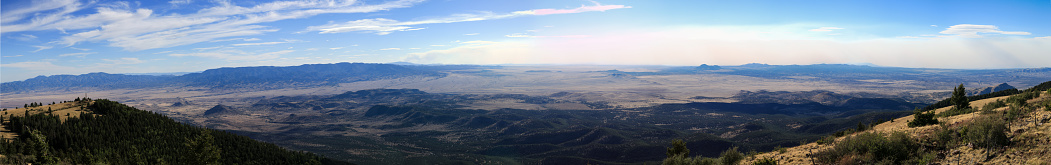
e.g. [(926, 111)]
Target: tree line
[(114, 133)]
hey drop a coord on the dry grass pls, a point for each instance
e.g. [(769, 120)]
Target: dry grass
[(1031, 138), (64, 110)]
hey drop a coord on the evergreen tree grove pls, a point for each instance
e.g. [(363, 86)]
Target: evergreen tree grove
[(678, 149), (959, 98)]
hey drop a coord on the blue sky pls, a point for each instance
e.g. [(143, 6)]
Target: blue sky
[(52, 37)]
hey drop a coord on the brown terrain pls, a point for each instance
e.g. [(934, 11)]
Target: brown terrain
[(65, 110), (1030, 137)]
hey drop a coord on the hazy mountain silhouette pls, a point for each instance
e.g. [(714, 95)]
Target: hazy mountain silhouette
[(238, 77)]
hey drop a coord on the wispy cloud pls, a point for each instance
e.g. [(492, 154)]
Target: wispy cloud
[(76, 54), (235, 39), (391, 49), (177, 3), (581, 9), (23, 37), (235, 55), (124, 61), (37, 66), (383, 26), (265, 43), (825, 29), (521, 35), (15, 56), (336, 48), (141, 29), (206, 48), (518, 35), (974, 31), (80, 49), (39, 48)]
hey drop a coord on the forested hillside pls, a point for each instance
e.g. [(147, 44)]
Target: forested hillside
[(114, 133)]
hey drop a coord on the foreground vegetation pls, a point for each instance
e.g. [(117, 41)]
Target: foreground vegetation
[(113, 133), (1007, 130)]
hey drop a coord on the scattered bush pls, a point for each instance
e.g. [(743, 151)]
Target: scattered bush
[(1047, 105), (994, 105), (826, 140), (922, 118), (1020, 99), (870, 148), (987, 131), (954, 112), (678, 149), (765, 161), (685, 160), (1015, 112), (731, 156), (678, 154)]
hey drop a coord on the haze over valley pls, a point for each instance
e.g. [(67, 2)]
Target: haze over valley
[(616, 82), (379, 113)]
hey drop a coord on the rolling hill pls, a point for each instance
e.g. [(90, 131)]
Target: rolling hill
[(106, 132)]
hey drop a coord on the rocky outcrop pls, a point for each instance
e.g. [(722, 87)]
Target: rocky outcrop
[(218, 109), (991, 89)]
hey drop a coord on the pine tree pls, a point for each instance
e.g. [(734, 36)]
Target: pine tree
[(959, 98), (201, 150), (678, 149)]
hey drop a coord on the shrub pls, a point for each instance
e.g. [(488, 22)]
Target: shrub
[(987, 131), (994, 105), (1020, 99), (765, 161), (731, 156), (954, 112), (678, 149), (922, 119), (1014, 112), (826, 140), (871, 148), (1047, 105), (684, 160)]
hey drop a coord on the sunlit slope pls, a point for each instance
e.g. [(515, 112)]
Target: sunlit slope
[(1027, 128)]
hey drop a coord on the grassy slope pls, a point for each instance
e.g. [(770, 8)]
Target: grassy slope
[(1031, 139), (73, 109)]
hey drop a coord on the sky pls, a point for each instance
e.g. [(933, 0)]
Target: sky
[(53, 37)]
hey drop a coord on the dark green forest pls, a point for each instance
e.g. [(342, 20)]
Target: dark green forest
[(115, 133)]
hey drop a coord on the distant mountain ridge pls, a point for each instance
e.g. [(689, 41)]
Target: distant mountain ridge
[(991, 89), (238, 77)]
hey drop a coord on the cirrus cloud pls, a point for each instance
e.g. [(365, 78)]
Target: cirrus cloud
[(142, 29), (975, 31), (383, 26)]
